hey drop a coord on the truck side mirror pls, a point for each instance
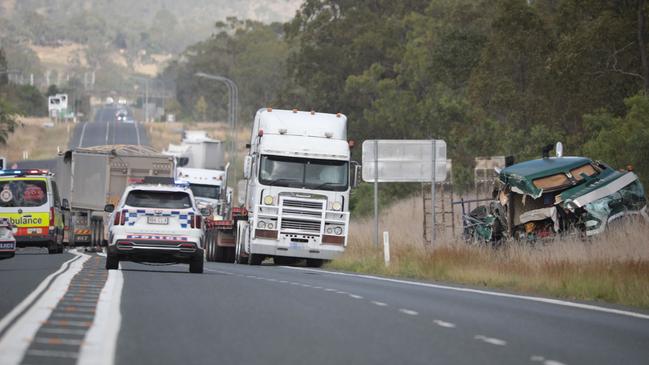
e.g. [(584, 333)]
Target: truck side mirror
[(109, 208), (65, 204), (355, 173), (247, 167)]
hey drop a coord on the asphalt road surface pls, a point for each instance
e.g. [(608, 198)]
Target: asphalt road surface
[(105, 129), (239, 314)]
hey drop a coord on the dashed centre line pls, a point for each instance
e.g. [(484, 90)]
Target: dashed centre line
[(380, 304), (444, 324), (409, 312), (491, 340)]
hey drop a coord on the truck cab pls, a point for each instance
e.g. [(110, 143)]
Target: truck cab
[(297, 191), (206, 185)]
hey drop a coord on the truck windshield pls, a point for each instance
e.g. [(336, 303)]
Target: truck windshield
[(304, 173), (158, 199), (22, 193), (205, 191)]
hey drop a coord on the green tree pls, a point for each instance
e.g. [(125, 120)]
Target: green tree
[(200, 108), (624, 140)]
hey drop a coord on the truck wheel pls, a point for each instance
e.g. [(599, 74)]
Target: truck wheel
[(255, 259), (112, 262), (229, 254), (314, 262), (196, 264)]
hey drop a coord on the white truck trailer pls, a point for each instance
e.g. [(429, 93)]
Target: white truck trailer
[(298, 182), (92, 177)]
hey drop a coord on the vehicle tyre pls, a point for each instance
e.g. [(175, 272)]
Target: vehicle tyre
[(314, 262), (229, 254), (196, 264), (284, 261), (112, 262), (255, 259), (219, 253)]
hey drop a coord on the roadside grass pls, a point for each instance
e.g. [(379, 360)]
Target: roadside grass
[(611, 268), (38, 141)]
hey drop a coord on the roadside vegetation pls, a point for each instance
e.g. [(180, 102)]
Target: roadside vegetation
[(612, 268), (38, 137)]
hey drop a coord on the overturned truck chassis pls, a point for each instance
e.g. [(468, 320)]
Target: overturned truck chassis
[(543, 198)]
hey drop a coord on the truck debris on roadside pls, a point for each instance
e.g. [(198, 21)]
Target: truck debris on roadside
[(552, 196)]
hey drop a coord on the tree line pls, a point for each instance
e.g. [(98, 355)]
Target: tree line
[(502, 77)]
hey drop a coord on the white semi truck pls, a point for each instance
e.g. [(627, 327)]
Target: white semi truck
[(208, 188), (298, 181)]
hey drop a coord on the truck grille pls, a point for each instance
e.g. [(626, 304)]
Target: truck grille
[(300, 225), (302, 213), (313, 204)]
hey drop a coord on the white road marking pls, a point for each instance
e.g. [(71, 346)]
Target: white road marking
[(317, 287), (107, 129), (101, 340), (444, 324), (491, 340), (484, 292), (355, 296), (272, 280), (12, 346), (380, 304), (101, 254), (83, 132), (57, 354), (341, 292), (306, 285), (552, 362), (408, 312), (137, 132), (329, 289)]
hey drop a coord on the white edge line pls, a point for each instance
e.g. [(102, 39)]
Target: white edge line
[(83, 132), (13, 344), (485, 292), (21, 306), (101, 340)]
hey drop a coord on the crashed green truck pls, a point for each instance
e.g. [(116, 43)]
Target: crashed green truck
[(552, 196)]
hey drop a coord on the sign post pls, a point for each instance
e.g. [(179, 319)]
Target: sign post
[(403, 161)]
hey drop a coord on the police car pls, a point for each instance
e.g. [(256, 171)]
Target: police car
[(30, 201), (156, 223)]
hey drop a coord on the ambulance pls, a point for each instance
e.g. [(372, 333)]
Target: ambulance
[(30, 200)]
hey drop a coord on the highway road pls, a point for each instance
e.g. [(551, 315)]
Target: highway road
[(66, 309), (240, 314), (105, 129)]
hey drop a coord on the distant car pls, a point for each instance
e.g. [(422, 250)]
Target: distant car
[(129, 120), (7, 240), (121, 115), (156, 223)]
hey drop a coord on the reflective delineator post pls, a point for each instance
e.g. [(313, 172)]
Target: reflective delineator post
[(386, 247)]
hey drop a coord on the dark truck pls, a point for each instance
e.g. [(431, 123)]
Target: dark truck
[(546, 197)]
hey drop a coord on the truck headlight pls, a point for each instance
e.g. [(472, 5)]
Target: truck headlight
[(261, 224), (336, 206), (268, 200), (338, 231), (270, 225), (329, 230)]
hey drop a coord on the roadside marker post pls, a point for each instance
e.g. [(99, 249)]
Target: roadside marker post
[(386, 247)]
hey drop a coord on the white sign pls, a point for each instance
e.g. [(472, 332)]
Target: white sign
[(404, 160), (57, 102)]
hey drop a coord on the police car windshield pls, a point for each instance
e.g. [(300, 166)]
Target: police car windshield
[(158, 199), (23, 193)]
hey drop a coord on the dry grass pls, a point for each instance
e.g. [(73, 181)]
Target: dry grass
[(39, 142), (612, 268)]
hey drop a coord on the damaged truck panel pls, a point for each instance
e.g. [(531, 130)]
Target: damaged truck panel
[(545, 197)]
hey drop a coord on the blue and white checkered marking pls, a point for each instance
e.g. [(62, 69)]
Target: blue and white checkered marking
[(184, 219)]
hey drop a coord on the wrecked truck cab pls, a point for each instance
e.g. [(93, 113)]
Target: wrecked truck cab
[(560, 195)]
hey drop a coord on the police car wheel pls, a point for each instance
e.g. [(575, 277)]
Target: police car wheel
[(112, 262), (196, 264)]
